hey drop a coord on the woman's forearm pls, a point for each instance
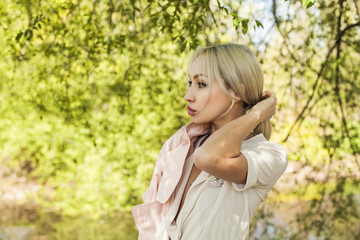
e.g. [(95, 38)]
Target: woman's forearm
[(226, 141)]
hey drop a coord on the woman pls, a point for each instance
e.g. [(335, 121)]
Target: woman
[(211, 176)]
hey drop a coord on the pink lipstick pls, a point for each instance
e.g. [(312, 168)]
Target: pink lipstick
[(191, 111)]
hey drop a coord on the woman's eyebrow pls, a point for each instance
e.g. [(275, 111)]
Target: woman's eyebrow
[(198, 75)]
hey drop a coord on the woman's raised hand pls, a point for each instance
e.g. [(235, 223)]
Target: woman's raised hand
[(266, 108)]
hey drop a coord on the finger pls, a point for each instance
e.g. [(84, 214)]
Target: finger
[(271, 94), (272, 97), (268, 91), (267, 94)]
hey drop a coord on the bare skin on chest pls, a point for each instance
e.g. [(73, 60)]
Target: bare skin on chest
[(193, 175)]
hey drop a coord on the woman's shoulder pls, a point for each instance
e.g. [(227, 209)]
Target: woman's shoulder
[(261, 147), (259, 141)]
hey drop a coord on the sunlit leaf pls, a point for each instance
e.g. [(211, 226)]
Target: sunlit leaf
[(308, 3), (244, 25)]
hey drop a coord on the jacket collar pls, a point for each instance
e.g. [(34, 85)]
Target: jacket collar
[(175, 158)]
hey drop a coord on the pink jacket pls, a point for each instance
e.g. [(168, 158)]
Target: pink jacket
[(149, 217)]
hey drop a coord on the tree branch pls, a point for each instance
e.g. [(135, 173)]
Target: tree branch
[(337, 86), (212, 15), (314, 87)]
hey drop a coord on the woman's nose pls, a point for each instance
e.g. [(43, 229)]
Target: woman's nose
[(189, 96)]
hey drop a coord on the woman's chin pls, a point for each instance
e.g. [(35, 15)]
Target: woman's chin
[(194, 120), (199, 121)]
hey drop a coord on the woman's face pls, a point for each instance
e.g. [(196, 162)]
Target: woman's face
[(207, 103)]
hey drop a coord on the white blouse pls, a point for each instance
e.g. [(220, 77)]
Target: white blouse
[(215, 209)]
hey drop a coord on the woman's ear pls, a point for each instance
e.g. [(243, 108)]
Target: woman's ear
[(237, 99), (234, 95)]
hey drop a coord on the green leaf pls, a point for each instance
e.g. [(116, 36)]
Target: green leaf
[(236, 23), (18, 36), (337, 62), (244, 25), (233, 14), (182, 47), (27, 32), (259, 24), (308, 3), (181, 40)]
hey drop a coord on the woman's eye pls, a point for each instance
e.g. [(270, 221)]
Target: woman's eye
[(202, 85)]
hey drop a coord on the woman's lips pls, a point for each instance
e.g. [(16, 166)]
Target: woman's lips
[(191, 111)]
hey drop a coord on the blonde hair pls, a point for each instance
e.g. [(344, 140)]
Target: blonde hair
[(236, 69)]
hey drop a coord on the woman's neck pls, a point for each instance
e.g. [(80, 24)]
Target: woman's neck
[(236, 112)]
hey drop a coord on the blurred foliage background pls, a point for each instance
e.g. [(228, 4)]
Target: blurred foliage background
[(90, 90)]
